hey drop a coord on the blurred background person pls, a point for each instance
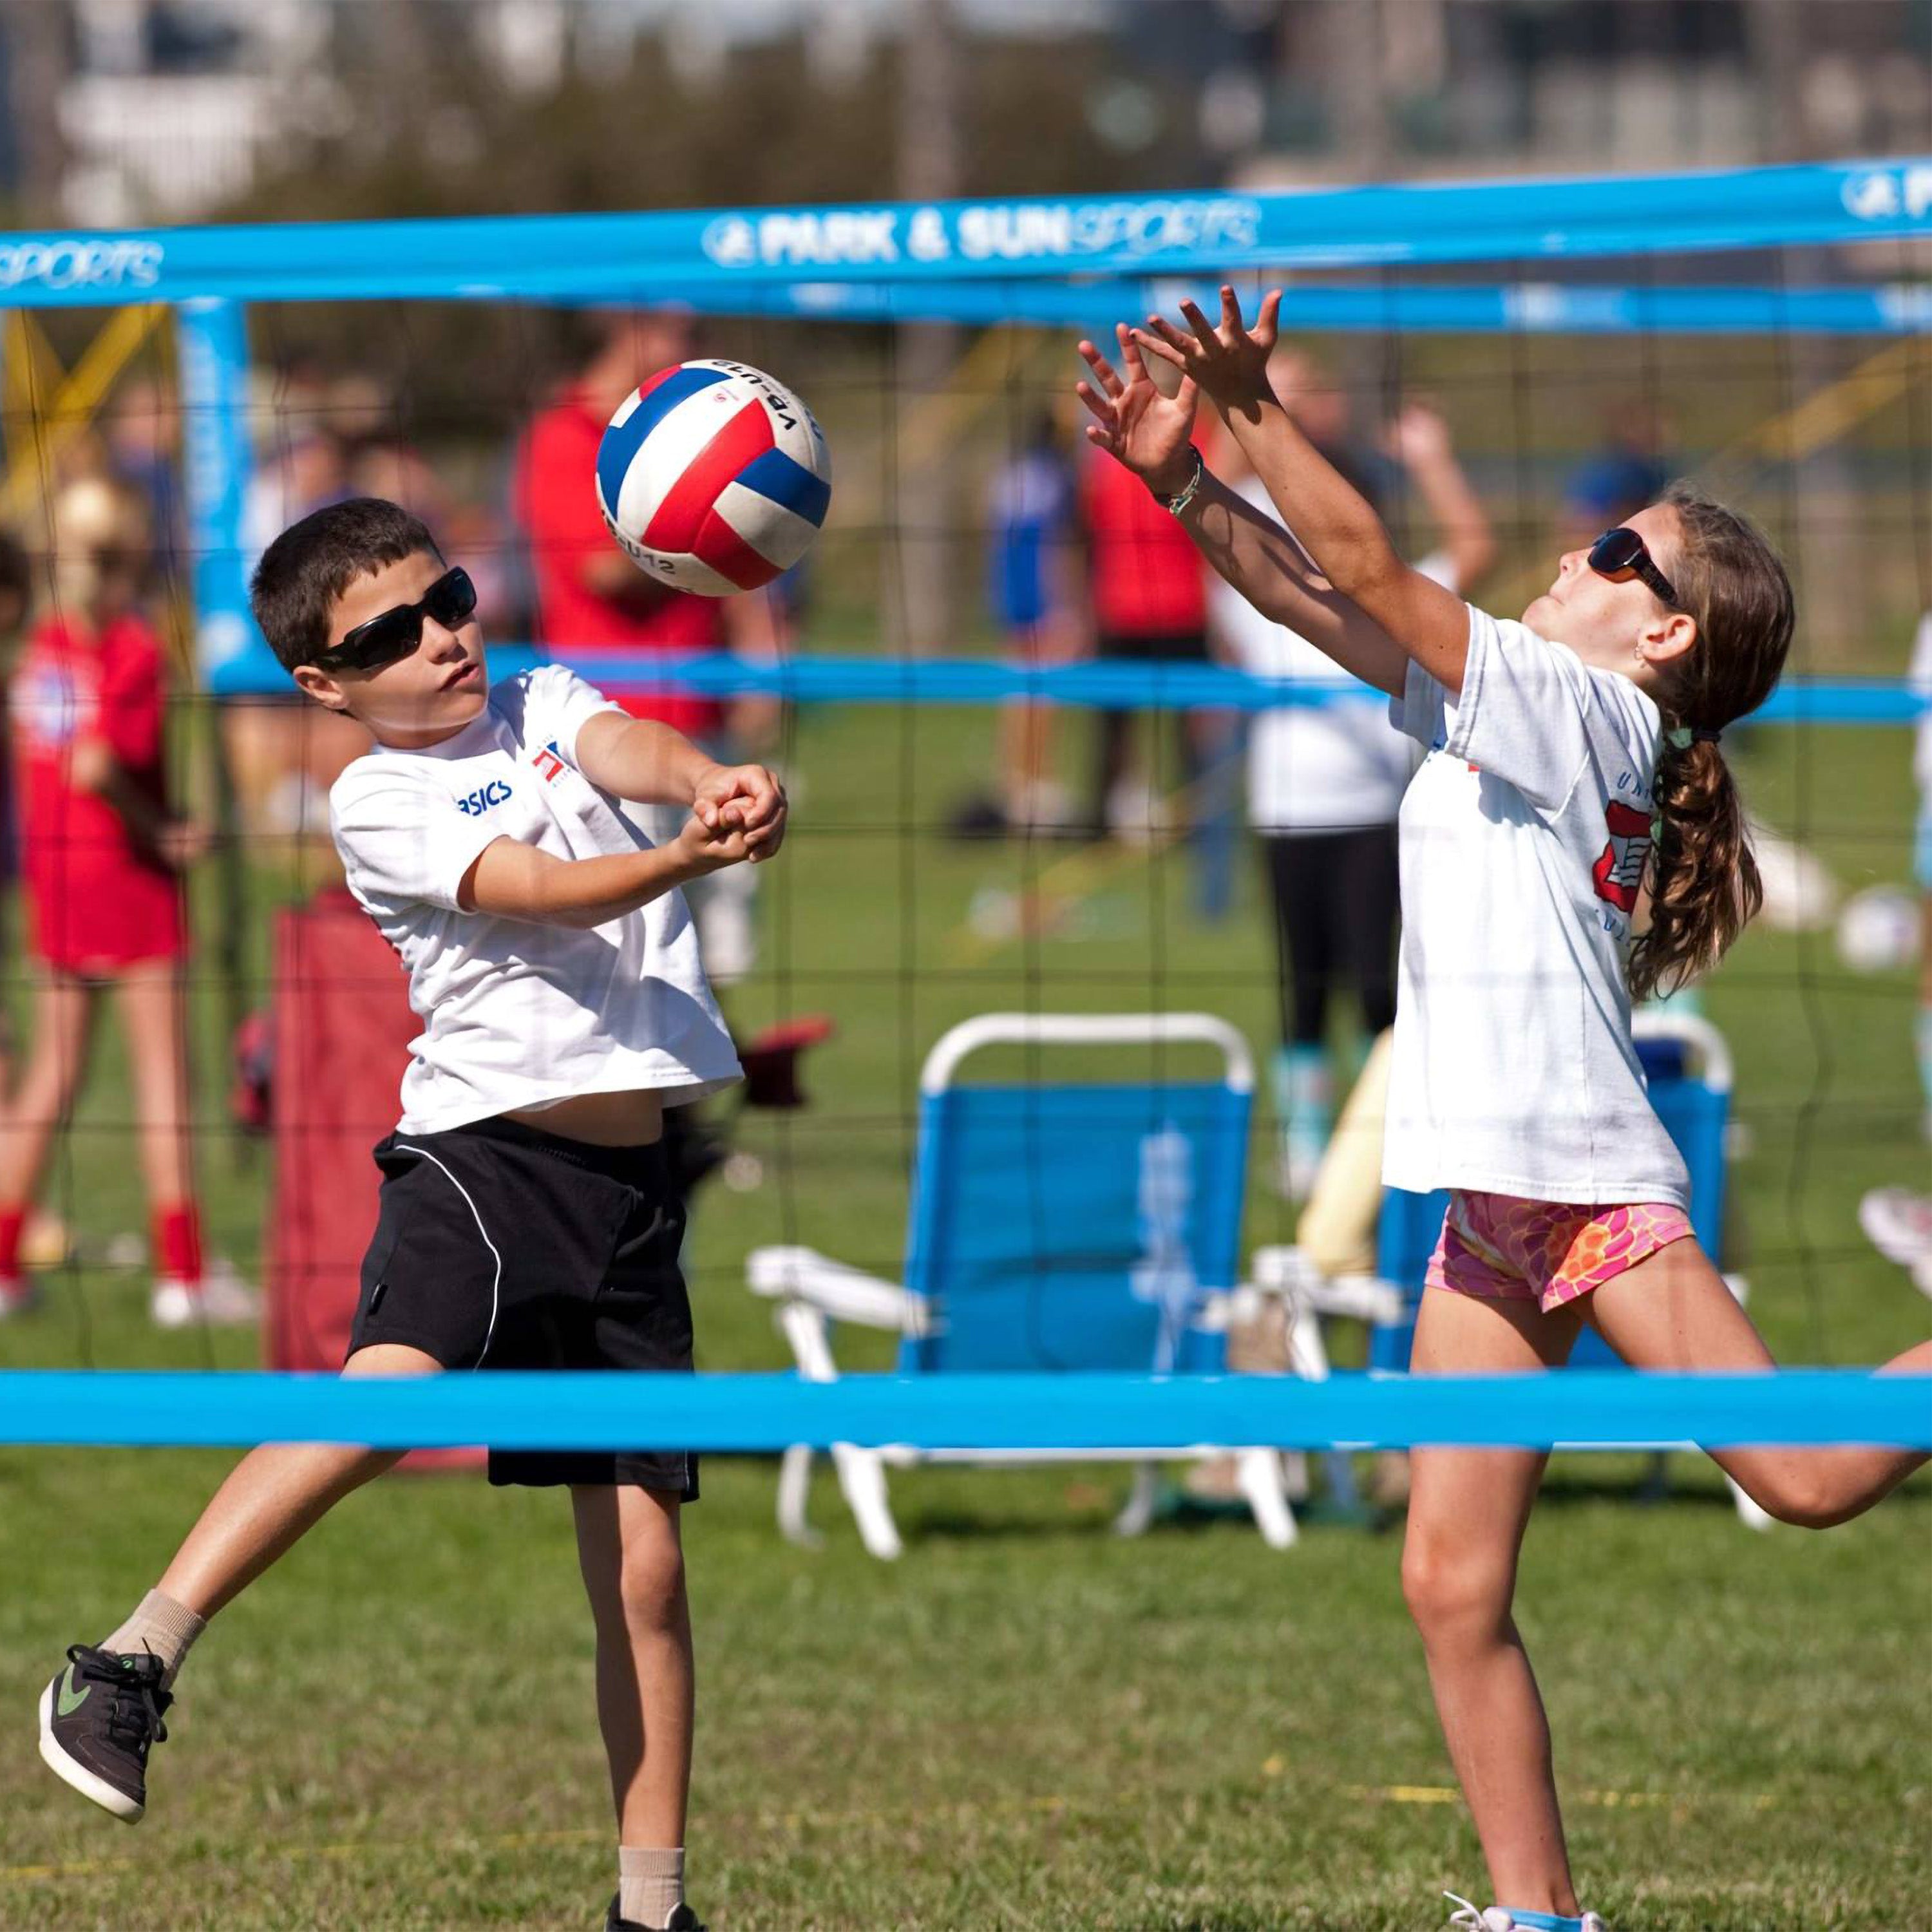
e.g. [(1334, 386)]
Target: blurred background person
[(143, 449), (1899, 1219), (1628, 468), (592, 600), (1034, 595), (16, 600), (284, 753), (1325, 781), (103, 855), (1149, 604)]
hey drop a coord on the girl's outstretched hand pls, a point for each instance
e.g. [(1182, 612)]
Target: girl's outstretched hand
[(1135, 424), (1227, 360)]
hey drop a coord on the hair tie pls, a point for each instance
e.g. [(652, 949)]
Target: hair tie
[(1702, 735), (1681, 737)]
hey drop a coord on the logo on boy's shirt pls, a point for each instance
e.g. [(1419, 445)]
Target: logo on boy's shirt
[(496, 792), (1441, 745), (1619, 872), (549, 762)]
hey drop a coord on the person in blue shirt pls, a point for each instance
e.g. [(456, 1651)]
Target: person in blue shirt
[(1033, 593)]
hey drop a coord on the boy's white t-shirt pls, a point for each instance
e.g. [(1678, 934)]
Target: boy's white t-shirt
[(1333, 767), (1524, 838), (517, 1015)]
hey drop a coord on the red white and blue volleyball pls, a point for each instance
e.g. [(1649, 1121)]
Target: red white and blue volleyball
[(714, 477)]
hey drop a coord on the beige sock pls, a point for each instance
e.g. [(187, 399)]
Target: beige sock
[(650, 1884), (160, 1624)]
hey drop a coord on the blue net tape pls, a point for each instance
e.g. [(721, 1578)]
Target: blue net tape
[(592, 257), (1594, 1409), (1093, 306), (1098, 684)]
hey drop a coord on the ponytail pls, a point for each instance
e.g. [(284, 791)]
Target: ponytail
[(1705, 886)]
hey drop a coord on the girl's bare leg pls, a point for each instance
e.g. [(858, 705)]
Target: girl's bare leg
[(1467, 1513), (56, 1062), (153, 1014), (1673, 1311)]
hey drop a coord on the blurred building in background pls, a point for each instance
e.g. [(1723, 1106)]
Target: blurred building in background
[(131, 110)]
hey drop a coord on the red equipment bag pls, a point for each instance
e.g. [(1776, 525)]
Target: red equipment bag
[(339, 1032)]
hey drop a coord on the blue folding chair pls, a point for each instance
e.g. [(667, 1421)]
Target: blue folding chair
[(1072, 1227), (1688, 1066)]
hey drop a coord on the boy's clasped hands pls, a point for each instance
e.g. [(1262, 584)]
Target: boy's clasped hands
[(737, 815)]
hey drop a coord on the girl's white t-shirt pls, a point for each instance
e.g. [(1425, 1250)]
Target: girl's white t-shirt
[(1524, 838), (1336, 767), (517, 1015)]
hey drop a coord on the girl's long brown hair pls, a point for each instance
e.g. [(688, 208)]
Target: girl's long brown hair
[(1704, 882)]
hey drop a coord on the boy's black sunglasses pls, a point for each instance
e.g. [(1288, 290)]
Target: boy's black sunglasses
[(388, 638), (1619, 554)]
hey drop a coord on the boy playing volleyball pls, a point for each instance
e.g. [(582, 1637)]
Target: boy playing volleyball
[(527, 1220), (1562, 779)]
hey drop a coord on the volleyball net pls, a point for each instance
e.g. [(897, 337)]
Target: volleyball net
[(1774, 325)]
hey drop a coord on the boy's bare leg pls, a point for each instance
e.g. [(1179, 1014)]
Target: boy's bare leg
[(101, 1715), (277, 1493), (633, 1564), (1673, 1311)]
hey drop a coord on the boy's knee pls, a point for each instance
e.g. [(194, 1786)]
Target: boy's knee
[(650, 1583)]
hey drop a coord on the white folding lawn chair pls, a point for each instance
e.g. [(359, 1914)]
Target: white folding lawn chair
[(1076, 1226)]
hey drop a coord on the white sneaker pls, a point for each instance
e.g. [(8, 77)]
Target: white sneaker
[(17, 1294), (1496, 1919), (1899, 1224), (1136, 813), (221, 1300)]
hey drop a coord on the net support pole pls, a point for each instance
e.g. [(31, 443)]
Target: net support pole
[(231, 655), (212, 339)]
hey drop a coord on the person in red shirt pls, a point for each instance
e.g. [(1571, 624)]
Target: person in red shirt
[(592, 598), (103, 855), (1149, 601)]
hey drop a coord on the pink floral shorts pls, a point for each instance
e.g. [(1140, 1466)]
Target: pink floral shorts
[(1502, 1248)]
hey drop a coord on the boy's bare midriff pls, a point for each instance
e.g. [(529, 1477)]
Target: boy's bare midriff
[(633, 1119)]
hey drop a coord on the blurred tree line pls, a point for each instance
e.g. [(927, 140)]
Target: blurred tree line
[(423, 125)]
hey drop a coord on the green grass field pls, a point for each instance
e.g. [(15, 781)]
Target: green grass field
[(1025, 1722)]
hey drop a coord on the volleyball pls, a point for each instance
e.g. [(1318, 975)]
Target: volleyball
[(713, 477)]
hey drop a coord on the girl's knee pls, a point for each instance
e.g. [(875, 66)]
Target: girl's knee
[(1801, 1496), (1448, 1586)]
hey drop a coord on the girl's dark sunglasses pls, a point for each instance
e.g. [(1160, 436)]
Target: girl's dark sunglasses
[(1619, 554), (392, 636)]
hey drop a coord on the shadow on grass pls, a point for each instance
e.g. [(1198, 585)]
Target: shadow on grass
[(1218, 1921)]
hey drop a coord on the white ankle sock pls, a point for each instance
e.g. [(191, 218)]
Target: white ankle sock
[(160, 1624), (650, 1883)]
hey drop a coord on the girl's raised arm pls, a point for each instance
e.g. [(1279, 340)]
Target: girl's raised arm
[(1151, 434), (1342, 534)]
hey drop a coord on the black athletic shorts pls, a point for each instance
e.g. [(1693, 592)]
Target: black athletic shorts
[(498, 1247), (1154, 646)]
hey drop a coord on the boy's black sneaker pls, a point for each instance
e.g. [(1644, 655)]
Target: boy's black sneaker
[(98, 1717), (683, 1920)]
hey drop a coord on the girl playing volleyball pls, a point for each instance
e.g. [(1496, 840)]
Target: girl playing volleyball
[(1561, 778), (104, 854)]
